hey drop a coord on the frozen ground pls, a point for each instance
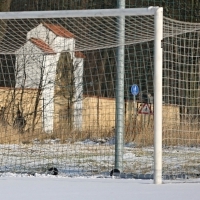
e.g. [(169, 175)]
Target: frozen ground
[(15, 187), (95, 158)]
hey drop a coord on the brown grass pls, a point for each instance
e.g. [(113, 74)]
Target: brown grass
[(140, 134), (182, 135), (9, 135)]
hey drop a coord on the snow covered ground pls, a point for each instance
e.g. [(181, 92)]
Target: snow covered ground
[(82, 172), (94, 158), (16, 187)]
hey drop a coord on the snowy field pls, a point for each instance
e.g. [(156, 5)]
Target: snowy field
[(15, 187), (84, 172), (91, 158)]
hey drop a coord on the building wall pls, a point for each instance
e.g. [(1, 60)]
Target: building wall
[(41, 32), (37, 70), (99, 114), (48, 87), (29, 66), (60, 44), (23, 99), (57, 43)]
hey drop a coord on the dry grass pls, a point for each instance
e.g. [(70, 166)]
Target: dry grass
[(65, 134), (182, 135), (140, 134), (139, 131), (9, 135)]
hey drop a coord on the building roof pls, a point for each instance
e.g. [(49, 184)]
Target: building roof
[(59, 30), (78, 54), (42, 45)]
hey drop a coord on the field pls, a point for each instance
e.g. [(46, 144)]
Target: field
[(51, 187), (89, 158)]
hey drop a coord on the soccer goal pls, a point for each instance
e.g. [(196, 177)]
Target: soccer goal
[(85, 92)]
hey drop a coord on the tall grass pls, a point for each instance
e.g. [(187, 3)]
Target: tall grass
[(139, 133)]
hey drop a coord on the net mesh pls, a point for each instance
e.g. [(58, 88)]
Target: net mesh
[(89, 32), (58, 83)]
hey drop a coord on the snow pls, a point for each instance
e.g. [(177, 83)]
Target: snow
[(75, 181), (18, 187), (94, 157)]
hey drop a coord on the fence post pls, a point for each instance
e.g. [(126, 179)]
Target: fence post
[(119, 121)]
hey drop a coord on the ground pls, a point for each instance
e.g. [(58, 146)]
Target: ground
[(17, 187)]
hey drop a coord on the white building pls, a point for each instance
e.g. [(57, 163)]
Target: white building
[(36, 63)]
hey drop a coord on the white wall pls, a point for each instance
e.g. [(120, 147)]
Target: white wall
[(61, 44), (28, 66), (78, 97), (33, 68), (41, 32), (50, 64), (57, 43)]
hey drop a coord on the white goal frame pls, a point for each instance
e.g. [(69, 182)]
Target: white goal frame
[(157, 12)]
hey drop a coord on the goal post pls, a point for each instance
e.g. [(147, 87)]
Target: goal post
[(158, 69), (53, 49), (158, 62)]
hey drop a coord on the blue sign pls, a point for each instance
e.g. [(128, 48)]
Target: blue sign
[(134, 89)]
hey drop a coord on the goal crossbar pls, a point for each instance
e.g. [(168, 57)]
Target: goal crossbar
[(77, 13)]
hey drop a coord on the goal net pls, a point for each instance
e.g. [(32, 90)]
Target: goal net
[(59, 89)]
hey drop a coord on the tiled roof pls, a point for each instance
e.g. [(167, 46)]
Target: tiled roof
[(59, 30), (42, 45), (78, 54)]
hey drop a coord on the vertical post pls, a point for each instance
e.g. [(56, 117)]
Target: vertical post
[(158, 61), (119, 121), (134, 107)]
